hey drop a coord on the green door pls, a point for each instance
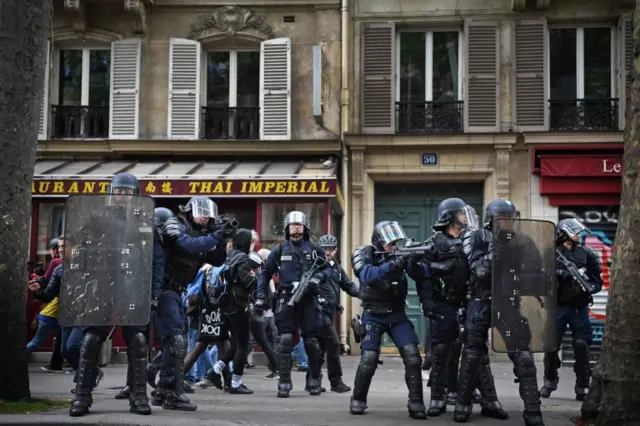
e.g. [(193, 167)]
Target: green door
[(414, 207)]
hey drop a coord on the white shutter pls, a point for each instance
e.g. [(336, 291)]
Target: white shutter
[(44, 105), (184, 89), (275, 89), (124, 111)]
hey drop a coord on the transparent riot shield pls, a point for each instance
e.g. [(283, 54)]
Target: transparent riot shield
[(524, 286), (107, 260)]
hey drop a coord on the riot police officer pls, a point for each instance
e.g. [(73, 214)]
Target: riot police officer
[(450, 273), (329, 297), (160, 216), (383, 292), (240, 276), (573, 306), (190, 239), (136, 337), (293, 257), (475, 358)]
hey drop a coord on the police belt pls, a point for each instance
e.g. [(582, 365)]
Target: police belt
[(440, 297), (383, 310), (171, 283)]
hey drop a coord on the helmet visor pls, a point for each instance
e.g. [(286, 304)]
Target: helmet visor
[(573, 227), (472, 218), (390, 232), (203, 207)]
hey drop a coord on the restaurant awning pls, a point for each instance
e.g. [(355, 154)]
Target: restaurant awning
[(60, 178)]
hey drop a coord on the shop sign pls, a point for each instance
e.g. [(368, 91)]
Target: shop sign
[(167, 188), (581, 166)]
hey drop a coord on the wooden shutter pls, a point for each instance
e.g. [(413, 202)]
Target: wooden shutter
[(626, 66), (184, 89), (44, 105), (530, 65), (275, 89), (124, 111), (482, 112), (378, 82)]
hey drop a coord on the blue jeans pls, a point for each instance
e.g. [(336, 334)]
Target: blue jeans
[(44, 328), (301, 355), (204, 362), (72, 338)]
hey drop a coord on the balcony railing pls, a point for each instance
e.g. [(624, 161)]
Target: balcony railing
[(429, 117), (573, 115), (80, 122), (230, 123)]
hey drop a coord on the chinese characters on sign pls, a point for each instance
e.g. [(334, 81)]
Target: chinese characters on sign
[(310, 187)]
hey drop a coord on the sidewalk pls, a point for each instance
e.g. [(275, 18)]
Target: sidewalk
[(387, 402)]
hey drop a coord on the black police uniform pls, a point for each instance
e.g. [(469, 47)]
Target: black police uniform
[(573, 311)]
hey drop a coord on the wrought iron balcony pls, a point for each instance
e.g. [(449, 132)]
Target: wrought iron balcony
[(573, 115), (231, 123), (82, 122), (429, 117)]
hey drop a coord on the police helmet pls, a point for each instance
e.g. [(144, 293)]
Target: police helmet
[(124, 183), (448, 211), (568, 229), (296, 217), (499, 209), (201, 206), (53, 244), (328, 241), (387, 232), (160, 215)]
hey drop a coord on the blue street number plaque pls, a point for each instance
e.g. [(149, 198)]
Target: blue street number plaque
[(430, 159)]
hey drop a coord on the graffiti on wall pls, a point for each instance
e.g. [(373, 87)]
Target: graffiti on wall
[(603, 222)]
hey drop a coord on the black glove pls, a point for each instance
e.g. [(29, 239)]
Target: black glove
[(428, 308), (399, 263), (563, 274), (154, 304), (228, 230), (259, 307), (339, 308), (314, 283)]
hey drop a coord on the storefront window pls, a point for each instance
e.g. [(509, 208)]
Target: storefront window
[(50, 225), (273, 215)]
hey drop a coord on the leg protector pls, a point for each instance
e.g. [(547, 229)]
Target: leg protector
[(364, 375), (467, 379), (175, 398), (525, 370), (490, 405), (86, 374), (284, 359), (438, 404), (582, 368), (551, 364), (413, 377), (138, 401), (453, 364), (312, 348)]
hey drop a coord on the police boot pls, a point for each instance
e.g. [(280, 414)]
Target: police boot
[(467, 380), (528, 385), (175, 399), (551, 363), (491, 407), (582, 368), (284, 358), (138, 400), (312, 348), (364, 375), (453, 363), (338, 386), (413, 377), (86, 374), (438, 404)]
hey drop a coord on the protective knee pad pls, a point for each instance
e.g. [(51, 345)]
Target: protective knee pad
[(178, 346), (91, 344), (524, 365), (411, 356), (286, 343), (368, 362), (580, 348), (137, 346)]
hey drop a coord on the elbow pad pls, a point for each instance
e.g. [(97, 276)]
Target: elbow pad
[(360, 257), (172, 228)]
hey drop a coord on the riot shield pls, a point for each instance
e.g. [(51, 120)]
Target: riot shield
[(107, 258), (524, 286)]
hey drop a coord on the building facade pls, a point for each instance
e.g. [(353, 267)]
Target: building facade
[(240, 102), (513, 99)]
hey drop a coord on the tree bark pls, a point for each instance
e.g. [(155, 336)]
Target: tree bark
[(614, 398), (24, 28)]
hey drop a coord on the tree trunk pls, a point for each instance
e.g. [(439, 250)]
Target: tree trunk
[(24, 28), (614, 398)]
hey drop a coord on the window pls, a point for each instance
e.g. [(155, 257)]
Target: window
[(581, 78), (428, 89), (232, 95), (50, 225), (83, 93), (273, 214)]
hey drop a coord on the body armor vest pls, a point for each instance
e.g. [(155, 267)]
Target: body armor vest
[(450, 270), (387, 297), (569, 291), (181, 267), (295, 259)]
